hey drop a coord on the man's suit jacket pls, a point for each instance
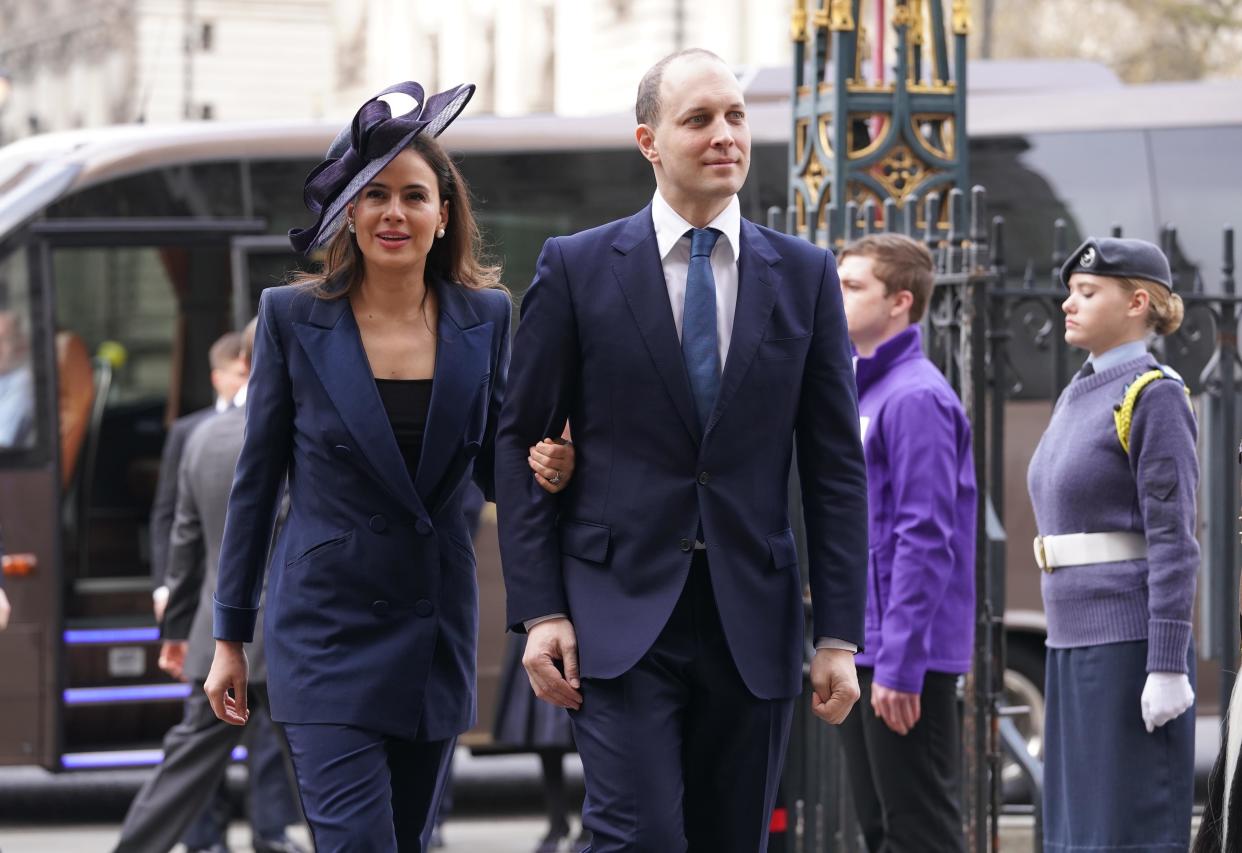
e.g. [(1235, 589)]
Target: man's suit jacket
[(164, 509), (597, 345), (372, 602), (203, 484)]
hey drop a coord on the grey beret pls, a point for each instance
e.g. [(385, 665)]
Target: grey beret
[(1119, 258)]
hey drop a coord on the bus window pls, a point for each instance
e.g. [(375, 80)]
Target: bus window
[(192, 189), (151, 314), (1198, 188), (17, 401)]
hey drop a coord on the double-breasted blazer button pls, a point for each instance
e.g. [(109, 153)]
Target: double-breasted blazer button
[(422, 527), (423, 607), (687, 545), (378, 524), (704, 478), (342, 451), (380, 608)]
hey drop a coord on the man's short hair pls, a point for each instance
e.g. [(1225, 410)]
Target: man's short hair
[(901, 263), (227, 348), (247, 341), (647, 104)]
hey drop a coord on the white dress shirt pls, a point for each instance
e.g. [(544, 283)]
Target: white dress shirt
[(674, 245)]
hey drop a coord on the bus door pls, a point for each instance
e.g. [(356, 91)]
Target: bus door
[(122, 312), (29, 502), (259, 261)]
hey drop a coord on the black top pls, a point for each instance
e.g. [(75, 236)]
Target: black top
[(407, 402)]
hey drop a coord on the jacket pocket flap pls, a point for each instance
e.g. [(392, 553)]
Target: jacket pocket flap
[(784, 549), (585, 540)]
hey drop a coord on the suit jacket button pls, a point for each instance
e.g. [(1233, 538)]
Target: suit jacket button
[(423, 607), (423, 528), (703, 478), (687, 545), (343, 451), (380, 608), (378, 524)]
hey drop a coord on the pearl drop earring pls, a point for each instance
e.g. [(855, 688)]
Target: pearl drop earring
[(440, 232), (350, 225)]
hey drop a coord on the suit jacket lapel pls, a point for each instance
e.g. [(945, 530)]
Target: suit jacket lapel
[(756, 297), (463, 359), (640, 274), (331, 341)]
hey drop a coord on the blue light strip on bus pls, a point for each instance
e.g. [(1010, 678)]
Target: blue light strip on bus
[(134, 693), (97, 636), (123, 758)]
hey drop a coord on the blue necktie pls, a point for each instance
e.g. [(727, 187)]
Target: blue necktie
[(699, 345)]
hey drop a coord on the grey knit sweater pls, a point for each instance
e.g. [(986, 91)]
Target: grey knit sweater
[(1081, 481)]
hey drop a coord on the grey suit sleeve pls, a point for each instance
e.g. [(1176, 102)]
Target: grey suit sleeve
[(186, 555), (164, 507)]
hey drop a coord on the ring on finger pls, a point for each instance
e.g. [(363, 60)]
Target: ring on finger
[(556, 477)]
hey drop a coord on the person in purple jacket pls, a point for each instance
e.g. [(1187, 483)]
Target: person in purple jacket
[(902, 745), (1113, 484)]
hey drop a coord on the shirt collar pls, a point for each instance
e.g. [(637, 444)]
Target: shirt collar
[(240, 399), (670, 226), (1119, 355)]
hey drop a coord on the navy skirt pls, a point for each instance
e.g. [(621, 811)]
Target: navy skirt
[(1108, 784), (524, 722)]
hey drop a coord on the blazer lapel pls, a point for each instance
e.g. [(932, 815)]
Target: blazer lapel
[(755, 299), (641, 277), (463, 359), (331, 341)]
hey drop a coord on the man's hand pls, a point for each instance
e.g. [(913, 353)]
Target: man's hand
[(159, 601), (835, 682), (552, 460), (899, 711), (547, 644), (226, 683), (5, 610), (172, 658)]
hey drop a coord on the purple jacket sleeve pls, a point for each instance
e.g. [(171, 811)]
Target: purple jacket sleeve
[(923, 457)]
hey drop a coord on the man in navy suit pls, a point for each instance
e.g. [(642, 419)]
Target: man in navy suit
[(688, 348)]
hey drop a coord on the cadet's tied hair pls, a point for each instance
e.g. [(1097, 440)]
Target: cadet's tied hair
[(228, 347), (1164, 310), (647, 105), (902, 263)]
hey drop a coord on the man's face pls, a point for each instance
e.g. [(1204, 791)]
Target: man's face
[(701, 144), (230, 378), (870, 313)]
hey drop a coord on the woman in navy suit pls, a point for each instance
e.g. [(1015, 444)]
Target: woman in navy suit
[(375, 391)]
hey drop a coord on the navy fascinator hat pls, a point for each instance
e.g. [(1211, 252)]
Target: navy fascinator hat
[(362, 150)]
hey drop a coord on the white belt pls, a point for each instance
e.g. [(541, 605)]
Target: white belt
[(1080, 549)]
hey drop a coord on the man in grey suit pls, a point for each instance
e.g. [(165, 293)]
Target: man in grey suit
[(197, 750)]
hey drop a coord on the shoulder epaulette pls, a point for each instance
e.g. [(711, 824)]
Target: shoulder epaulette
[(1123, 412)]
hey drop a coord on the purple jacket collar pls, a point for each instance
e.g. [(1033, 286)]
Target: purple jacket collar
[(903, 346)]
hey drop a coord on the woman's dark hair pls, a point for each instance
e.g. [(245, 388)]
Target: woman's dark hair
[(457, 256)]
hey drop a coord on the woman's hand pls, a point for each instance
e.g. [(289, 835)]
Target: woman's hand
[(552, 461), (226, 683)]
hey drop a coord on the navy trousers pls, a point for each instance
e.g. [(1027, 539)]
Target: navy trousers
[(679, 757), (367, 792)]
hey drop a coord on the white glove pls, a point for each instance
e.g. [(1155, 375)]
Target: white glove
[(1166, 696)]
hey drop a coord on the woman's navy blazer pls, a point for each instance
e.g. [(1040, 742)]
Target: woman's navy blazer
[(372, 604)]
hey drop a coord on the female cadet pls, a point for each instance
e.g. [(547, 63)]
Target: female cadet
[(375, 389), (1113, 485)]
